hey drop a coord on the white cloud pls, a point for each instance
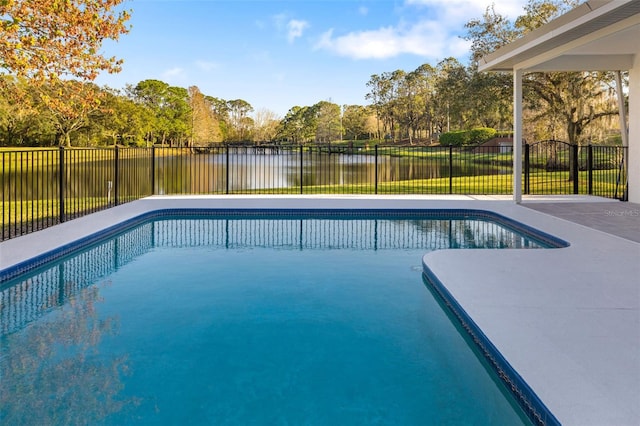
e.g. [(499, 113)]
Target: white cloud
[(470, 9), (434, 31), (427, 38), (295, 28), (363, 10)]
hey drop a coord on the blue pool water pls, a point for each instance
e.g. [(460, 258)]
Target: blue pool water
[(248, 321)]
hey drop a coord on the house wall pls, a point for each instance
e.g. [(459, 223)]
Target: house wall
[(634, 131)]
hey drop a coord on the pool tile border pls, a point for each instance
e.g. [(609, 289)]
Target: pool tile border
[(526, 398), (85, 242)]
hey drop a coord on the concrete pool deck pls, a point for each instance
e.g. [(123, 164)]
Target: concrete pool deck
[(567, 320)]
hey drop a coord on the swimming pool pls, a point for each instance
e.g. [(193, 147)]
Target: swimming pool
[(250, 317)]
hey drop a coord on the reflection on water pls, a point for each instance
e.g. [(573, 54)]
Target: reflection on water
[(51, 372), (249, 171), (242, 169), (55, 367)]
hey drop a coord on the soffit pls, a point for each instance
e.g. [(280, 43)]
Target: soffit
[(598, 35)]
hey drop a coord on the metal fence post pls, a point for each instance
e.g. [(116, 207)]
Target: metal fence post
[(590, 168), (61, 184), (115, 177), (153, 170), (575, 163), (226, 148), (301, 171), (375, 165), (526, 169), (450, 169)]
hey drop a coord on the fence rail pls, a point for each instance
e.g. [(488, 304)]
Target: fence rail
[(41, 188)]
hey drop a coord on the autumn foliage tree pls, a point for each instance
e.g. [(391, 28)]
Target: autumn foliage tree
[(47, 39), (51, 41)]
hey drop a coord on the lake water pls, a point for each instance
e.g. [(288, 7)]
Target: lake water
[(241, 170)]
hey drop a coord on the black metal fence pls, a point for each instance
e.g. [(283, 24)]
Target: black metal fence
[(41, 188)]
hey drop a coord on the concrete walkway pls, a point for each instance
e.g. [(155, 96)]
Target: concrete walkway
[(613, 217)]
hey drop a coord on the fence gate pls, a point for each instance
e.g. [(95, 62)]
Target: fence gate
[(557, 167), (547, 168)]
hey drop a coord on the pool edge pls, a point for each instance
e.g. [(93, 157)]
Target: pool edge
[(33, 263), (529, 402)]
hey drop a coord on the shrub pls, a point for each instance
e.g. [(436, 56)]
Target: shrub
[(457, 138), (467, 137), (481, 134)]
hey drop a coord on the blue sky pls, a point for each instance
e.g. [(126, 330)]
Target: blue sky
[(278, 54)]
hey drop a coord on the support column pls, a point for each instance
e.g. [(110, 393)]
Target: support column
[(634, 132), (517, 135)]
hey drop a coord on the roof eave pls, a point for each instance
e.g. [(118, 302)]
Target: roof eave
[(570, 26)]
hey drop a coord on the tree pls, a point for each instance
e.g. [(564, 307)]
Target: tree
[(70, 104), (177, 115), (452, 85), (576, 99), (384, 94), (355, 121), (240, 121), (298, 125), (490, 99), (327, 120), (204, 126), (47, 39), (170, 107), (410, 103), (220, 110), (121, 120), (489, 33), (265, 125), (377, 88), (425, 77), (17, 110)]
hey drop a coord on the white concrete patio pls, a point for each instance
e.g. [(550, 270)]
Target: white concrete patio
[(568, 320)]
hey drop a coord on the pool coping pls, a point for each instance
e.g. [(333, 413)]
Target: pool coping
[(574, 341)]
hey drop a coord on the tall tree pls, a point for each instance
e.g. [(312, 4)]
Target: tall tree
[(120, 120), (355, 120), (425, 79), (490, 99), (17, 109), (220, 110), (265, 125), (204, 125), (170, 107), (327, 119), (452, 83), (46, 39), (489, 33), (377, 89), (298, 125), (240, 121)]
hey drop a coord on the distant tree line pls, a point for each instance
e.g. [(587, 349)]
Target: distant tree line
[(404, 106)]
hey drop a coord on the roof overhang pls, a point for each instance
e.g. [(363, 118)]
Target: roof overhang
[(598, 35)]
